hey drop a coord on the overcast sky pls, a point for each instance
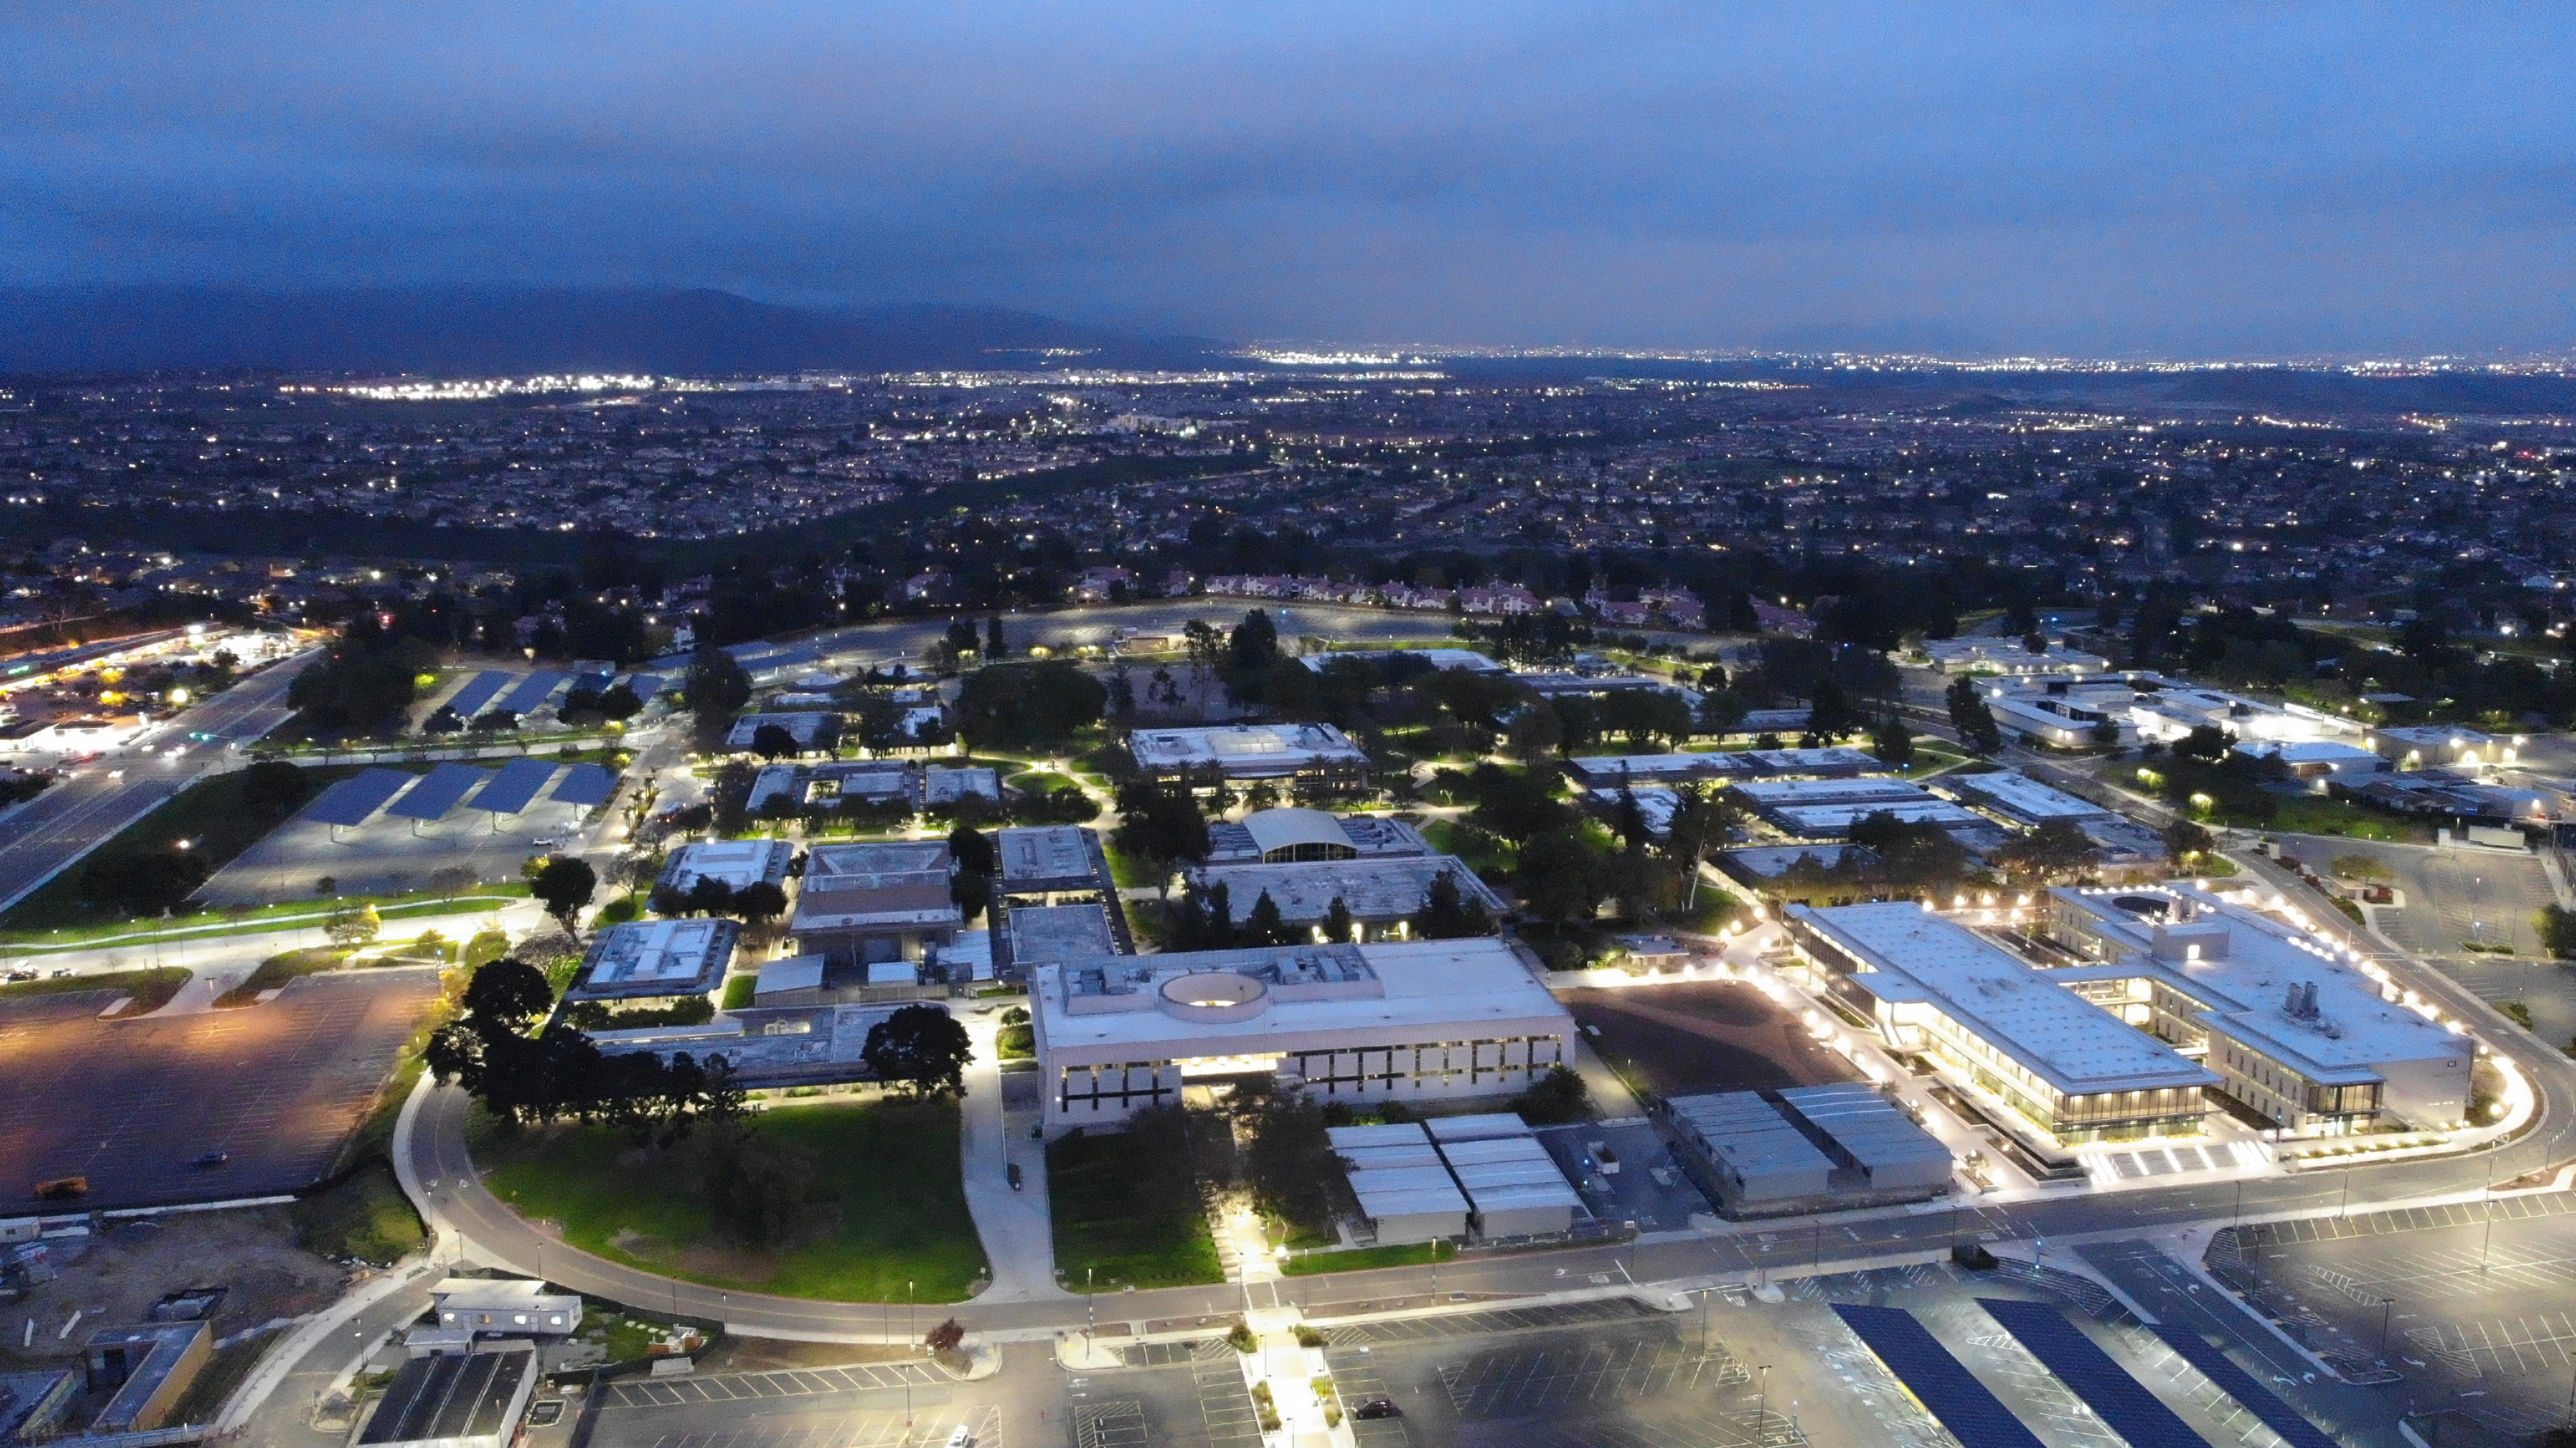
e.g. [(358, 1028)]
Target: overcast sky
[(2169, 178)]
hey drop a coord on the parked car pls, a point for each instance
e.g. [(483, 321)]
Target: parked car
[(1378, 1408)]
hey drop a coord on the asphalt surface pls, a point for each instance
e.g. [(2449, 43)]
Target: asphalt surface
[(56, 828), (133, 1105)]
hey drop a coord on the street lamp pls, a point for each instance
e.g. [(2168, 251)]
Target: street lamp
[(1762, 1405)]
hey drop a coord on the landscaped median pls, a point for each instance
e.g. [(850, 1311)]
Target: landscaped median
[(885, 1173), (1362, 1259)]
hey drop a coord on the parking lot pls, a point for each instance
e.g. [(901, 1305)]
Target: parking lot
[(387, 856), (134, 1105), (1702, 1035)]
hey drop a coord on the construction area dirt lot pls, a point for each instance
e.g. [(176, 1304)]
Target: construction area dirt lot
[(212, 1105), (1702, 1035), (114, 1276)]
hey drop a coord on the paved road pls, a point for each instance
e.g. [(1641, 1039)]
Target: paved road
[(66, 822), (284, 1418)]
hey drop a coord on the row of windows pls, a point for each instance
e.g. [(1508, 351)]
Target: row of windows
[(1446, 1062)]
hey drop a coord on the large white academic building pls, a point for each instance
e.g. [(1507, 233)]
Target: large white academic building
[(1415, 1022)]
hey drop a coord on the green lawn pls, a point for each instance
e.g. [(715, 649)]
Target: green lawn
[(892, 1166), (2309, 814), (1490, 857), (1361, 1259), (1129, 873), (1123, 1219), (151, 987)]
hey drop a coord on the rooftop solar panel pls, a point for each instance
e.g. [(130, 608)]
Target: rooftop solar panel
[(585, 784), (645, 686), (2244, 1387), (353, 799), (2117, 1398), (478, 691), (1973, 1414), (515, 787), (438, 792), (532, 691)]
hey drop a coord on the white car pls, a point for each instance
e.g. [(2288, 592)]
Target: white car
[(963, 1437)]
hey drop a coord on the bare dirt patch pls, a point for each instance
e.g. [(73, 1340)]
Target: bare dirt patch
[(115, 1276)]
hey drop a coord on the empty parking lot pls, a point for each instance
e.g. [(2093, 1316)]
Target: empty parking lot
[(133, 1105)]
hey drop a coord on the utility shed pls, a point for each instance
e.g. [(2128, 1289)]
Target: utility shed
[(1758, 1159), (1483, 1126), (1516, 1188), (1889, 1152)]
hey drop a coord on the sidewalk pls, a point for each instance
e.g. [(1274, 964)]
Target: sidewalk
[(1019, 1243)]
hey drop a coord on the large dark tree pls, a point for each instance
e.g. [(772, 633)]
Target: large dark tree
[(564, 884), (717, 688), (921, 1049), (1027, 706)]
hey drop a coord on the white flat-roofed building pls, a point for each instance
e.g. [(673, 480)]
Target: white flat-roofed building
[(1835, 821), (946, 784), (835, 784), (2020, 798), (1403, 1188), (2318, 762), (1381, 895), (2009, 656), (1610, 771), (1468, 659), (2064, 710), (1282, 836), (1759, 1162), (1887, 1150), (809, 729), (876, 903), (1045, 863), (2171, 710), (1249, 751), (1058, 934), (1826, 809), (505, 1307), (1514, 1187), (1931, 985), (2296, 1034), (1830, 761), (1418, 1022), (2441, 746), (733, 863), (648, 958), (1478, 1126), (1656, 805)]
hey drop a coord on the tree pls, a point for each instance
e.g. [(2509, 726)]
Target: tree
[(352, 926), (717, 688), (1560, 878), (274, 787), (1160, 823), (960, 637), (1914, 854), (2557, 927), (1448, 914), (1252, 646), (1893, 743), (1339, 927), (1554, 1099), (758, 903), (2186, 843), (2206, 742), (2054, 851), (1830, 715), (1288, 1160), (1972, 720), (772, 742), (947, 1343), (563, 884), (1645, 717), (974, 852), (921, 1049), (1027, 706), (1515, 804), (144, 882), (1535, 732), (763, 1193), (996, 647), (369, 676), (1264, 925)]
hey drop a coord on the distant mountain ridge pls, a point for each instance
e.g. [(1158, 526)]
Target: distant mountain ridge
[(500, 331)]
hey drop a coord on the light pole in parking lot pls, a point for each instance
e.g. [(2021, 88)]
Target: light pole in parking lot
[(1762, 1405)]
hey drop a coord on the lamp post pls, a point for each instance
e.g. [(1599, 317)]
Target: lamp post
[(1762, 1405), (2386, 1305)]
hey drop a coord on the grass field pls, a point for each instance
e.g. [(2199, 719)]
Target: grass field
[(151, 987), (1361, 1259), (891, 1167), (1121, 1219)]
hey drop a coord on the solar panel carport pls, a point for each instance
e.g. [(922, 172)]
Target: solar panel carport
[(532, 691), (585, 785), (515, 787), (2257, 1397), (441, 790), (352, 800), (1970, 1410), (2117, 1398), (478, 691)]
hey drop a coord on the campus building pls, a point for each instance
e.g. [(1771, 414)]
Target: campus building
[(1316, 753), (1418, 1022), (1933, 987), (2300, 1038), (1286, 836), (735, 864), (876, 902), (655, 959), (1382, 895)]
